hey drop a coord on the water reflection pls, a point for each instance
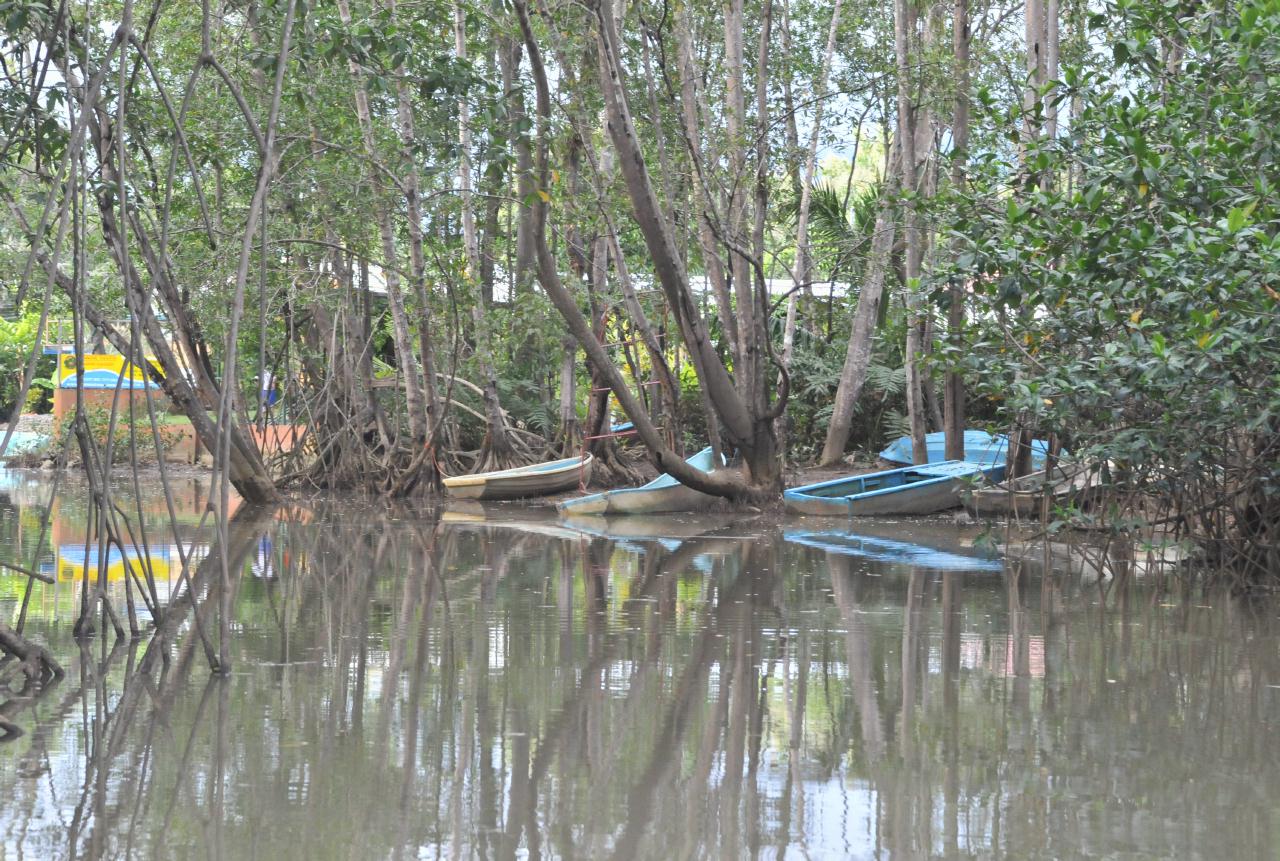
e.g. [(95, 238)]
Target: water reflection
[(408, 686), (864, 542)]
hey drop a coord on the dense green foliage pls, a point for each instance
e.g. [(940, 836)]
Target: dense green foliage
[(1133, 306), (1111, 227), (17, 342)]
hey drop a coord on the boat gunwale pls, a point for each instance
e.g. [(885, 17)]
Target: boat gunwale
[(1065, 481), (665, 481), (568, 464), (804, 492)]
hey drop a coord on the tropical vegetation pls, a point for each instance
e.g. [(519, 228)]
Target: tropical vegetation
[(464, 235)]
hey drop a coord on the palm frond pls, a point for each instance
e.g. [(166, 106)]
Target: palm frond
[(895, 424), (885, 380)]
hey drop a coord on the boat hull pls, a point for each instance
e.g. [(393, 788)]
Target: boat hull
[(1022, 498), (663, 495), (540, 480), (925, 490), (662, 500)]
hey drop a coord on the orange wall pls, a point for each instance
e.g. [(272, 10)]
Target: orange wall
[(64, 400)]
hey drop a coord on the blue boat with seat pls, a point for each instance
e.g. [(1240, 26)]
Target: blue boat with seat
[(922, 489)]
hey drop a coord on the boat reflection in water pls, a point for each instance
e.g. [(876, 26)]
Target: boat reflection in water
[(406, 685), (893, 551)]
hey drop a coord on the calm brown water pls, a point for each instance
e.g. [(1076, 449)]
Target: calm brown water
[(405, 686)]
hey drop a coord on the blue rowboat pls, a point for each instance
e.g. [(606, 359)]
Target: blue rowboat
[(665, 493), (979, 447), (889, 550), (920, 489)]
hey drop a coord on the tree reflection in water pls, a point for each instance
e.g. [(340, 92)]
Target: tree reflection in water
[(404, 686)]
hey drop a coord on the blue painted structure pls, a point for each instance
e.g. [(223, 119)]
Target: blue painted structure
[(979, 447), (665, 493), (920, 489)]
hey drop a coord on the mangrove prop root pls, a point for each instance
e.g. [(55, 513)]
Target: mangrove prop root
[(34, 660)]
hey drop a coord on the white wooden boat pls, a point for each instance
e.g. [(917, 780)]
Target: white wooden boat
[(1022, 497), (664, 494), (921, 489), (538, 479)]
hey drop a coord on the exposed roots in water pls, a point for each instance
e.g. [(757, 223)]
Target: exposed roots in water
[(33, 660), (30, 691), (360, 459)]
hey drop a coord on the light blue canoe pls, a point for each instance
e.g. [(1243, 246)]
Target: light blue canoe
[(664, 494), (979, 447), (920, 489), (890, 550)]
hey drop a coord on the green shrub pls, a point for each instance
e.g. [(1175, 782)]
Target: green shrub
[(1133, 309), (98, 420), (17, 340)]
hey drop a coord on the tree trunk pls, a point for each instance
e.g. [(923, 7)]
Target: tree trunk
[(804, 258), (953, 387), (417, 257), (244, 465), (667, 266), (712, 263), (570, 432), (659, 135), (771, 442), (747, 366), (721, 482), (510, 55), (1051, 56), (1031, 124), (497, 450), (415, 397), (1018, 463), (858, 354), (910, 232), (610, 468)]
